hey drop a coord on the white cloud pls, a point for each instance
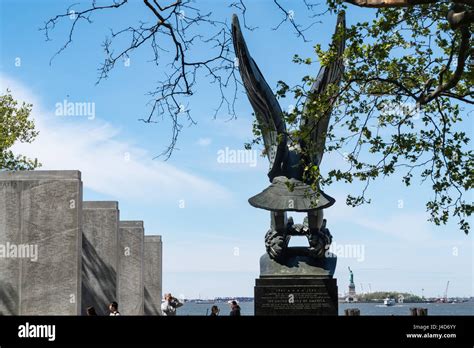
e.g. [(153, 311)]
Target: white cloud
[(204, 141), (405, 226), (109, 164)]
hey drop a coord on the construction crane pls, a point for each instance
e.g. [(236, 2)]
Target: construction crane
[(445, 298)]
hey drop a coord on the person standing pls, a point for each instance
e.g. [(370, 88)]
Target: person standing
[(169, 305), (113, 308), (214, 311), (91, 312), (234, 309)]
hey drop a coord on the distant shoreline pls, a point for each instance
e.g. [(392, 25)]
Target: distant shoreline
[(411, 300)]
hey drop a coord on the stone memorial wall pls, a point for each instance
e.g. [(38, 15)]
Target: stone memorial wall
[(99, 255), (59, 255), (152, 275), (40, 242), (131, 252)]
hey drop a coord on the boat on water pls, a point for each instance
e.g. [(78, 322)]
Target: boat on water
[(389, 301), (201, 301)]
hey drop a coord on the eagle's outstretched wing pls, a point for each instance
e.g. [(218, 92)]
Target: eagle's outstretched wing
[(265, 105), (316, 127)]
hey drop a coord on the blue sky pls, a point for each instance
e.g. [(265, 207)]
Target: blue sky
[(212, 237)]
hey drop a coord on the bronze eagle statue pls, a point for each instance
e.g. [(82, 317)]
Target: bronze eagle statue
[(288, 190)]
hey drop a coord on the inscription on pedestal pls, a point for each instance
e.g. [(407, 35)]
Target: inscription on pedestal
[(304, 298), (273, 297)]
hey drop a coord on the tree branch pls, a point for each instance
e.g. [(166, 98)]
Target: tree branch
[(399, 3), (171, 25), (463, 53)]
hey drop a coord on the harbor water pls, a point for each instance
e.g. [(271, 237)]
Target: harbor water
[(465, 308)]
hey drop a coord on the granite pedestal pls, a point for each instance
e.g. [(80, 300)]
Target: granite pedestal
[(40, 242), (298, 286)]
